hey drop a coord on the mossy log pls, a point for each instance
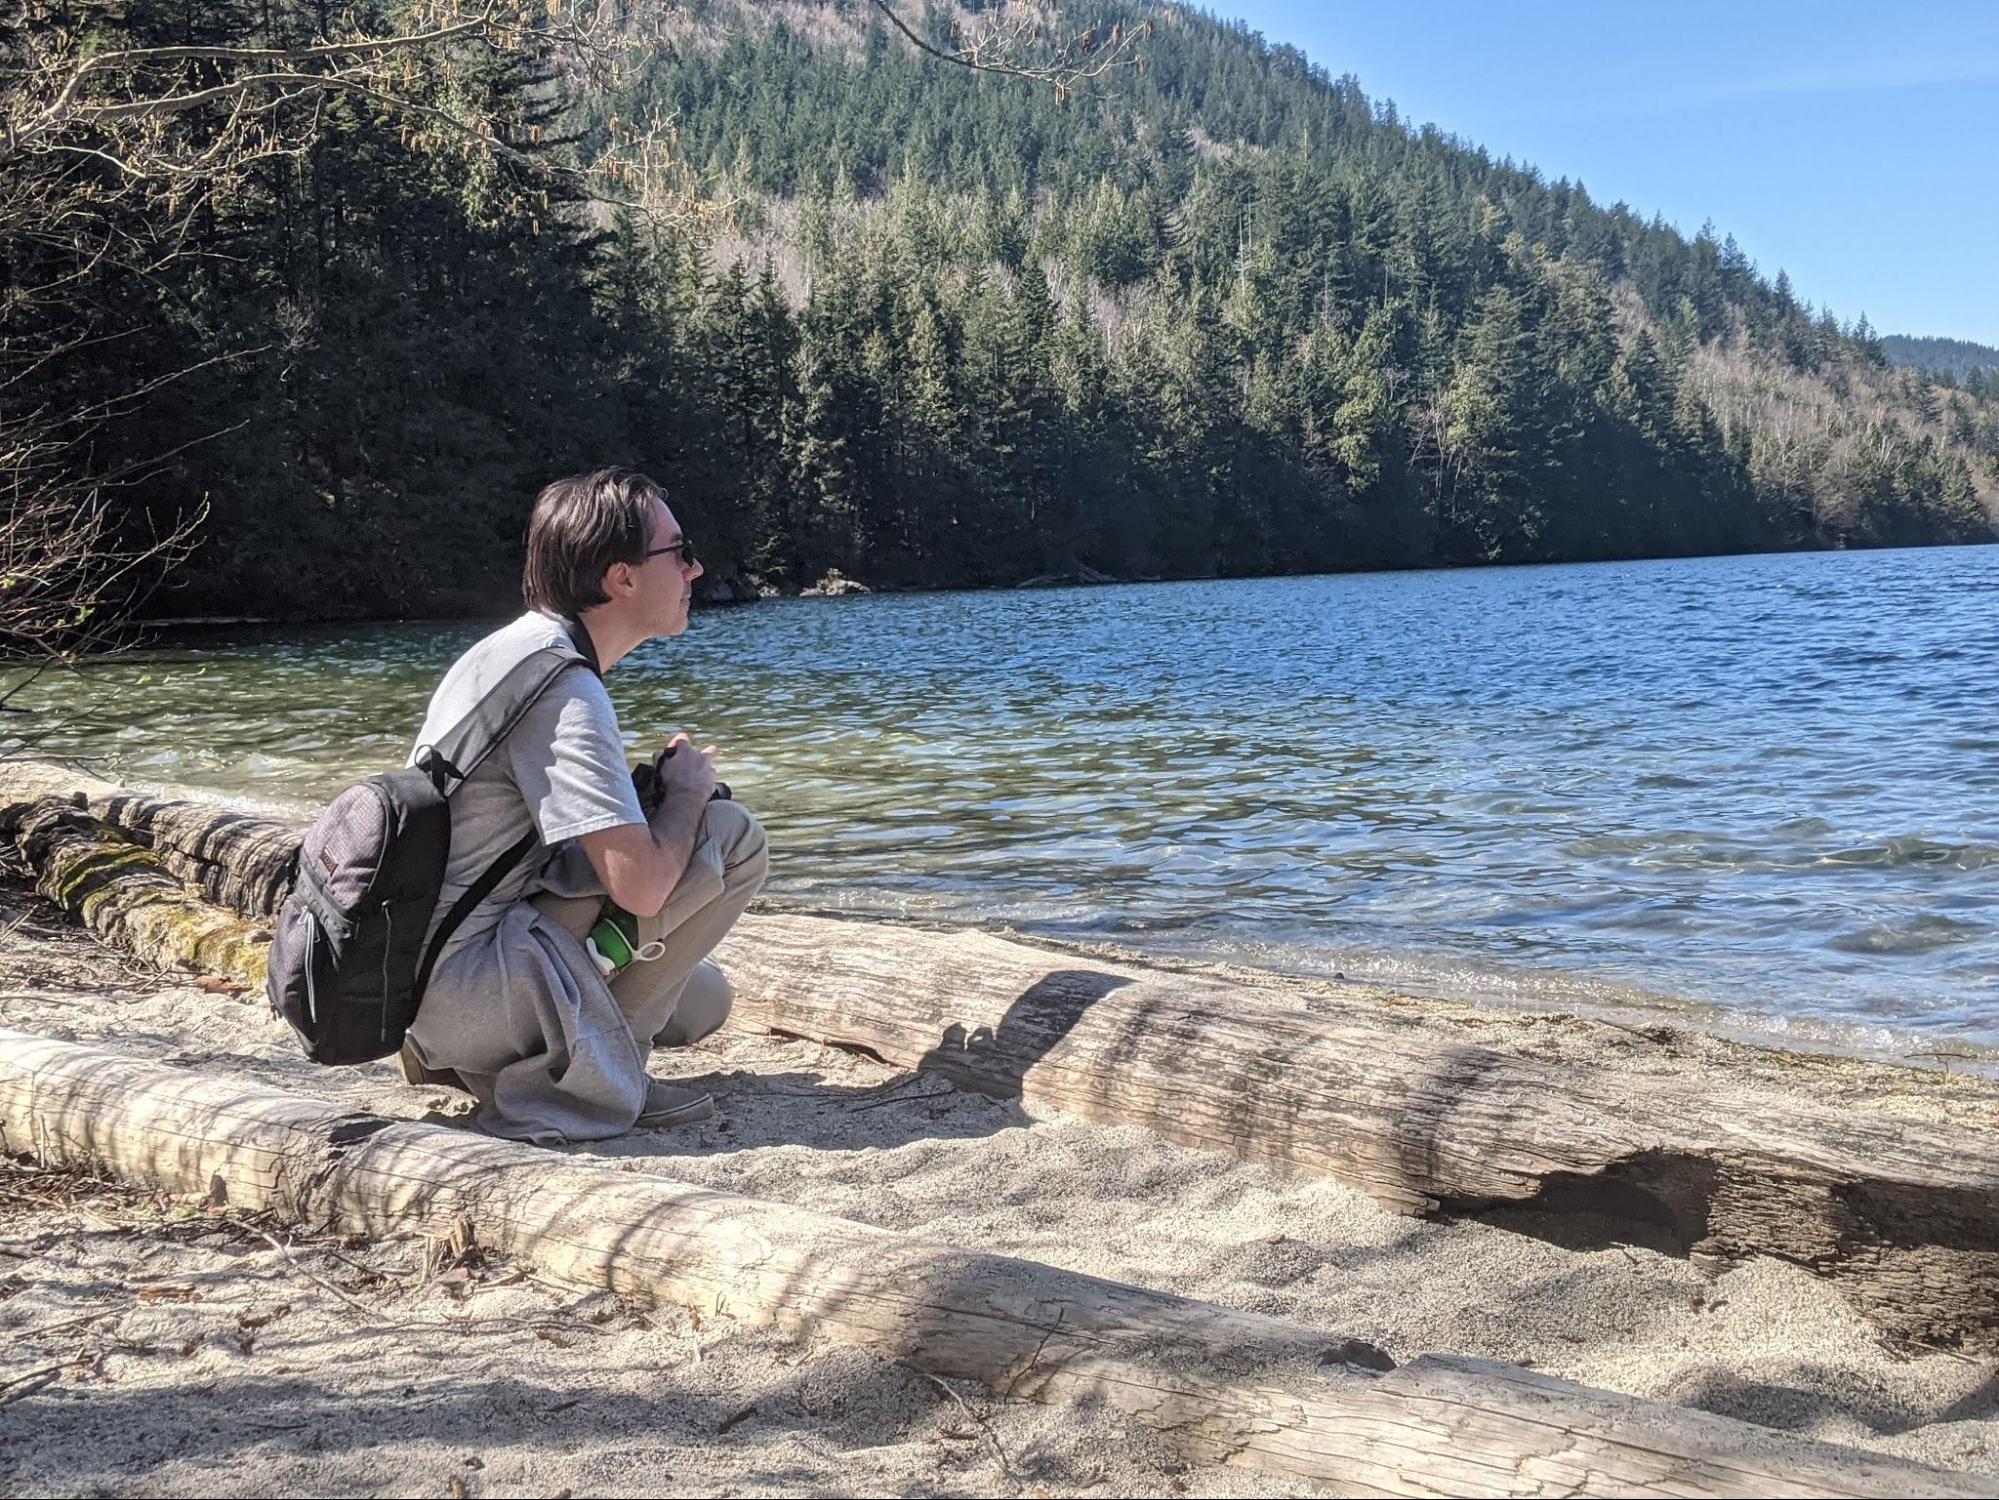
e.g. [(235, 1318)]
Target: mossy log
[(1900, 1213), (124, 893), (1219, 1385), (235, 860)]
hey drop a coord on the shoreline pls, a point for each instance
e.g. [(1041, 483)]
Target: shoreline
[(1580, 1292), (845, 1134), (747, 593), (1632, 1008)]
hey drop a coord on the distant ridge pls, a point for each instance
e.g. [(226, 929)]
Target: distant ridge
[(1958, 358)]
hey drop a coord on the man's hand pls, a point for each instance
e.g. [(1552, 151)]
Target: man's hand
[(685, 774), (641, 863)]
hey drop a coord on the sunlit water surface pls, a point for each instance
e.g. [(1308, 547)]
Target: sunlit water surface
[(1766, 784)]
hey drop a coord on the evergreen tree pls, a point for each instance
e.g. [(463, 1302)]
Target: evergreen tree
[(953, 331)]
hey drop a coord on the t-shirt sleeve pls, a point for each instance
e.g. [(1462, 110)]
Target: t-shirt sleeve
[(568, 759)]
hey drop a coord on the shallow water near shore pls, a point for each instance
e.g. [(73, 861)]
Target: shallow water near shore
[(1764, 784)]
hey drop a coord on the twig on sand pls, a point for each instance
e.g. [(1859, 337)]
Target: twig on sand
[(29, 1335), (319, 1281), (1943, 1057), (980, 1422), (434, 1325), (855, 1109), (16, 1386), (396, 1274)]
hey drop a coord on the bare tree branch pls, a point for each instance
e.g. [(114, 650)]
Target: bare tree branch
[(69, 572), (111, 161), (114, 106), (59, 113), (1008, 45)]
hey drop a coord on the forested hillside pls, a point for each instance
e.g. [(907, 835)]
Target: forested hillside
[(1236, 317), (1221, 314)]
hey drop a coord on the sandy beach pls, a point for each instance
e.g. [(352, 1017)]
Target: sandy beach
[(164, 1348)]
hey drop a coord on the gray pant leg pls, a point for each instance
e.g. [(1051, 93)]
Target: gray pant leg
[(730, 860), (703, 1009), (679, 997)]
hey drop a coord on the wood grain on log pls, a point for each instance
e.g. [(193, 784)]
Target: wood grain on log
[(236, 860), (122, 892), (1218, 1384), (1902, 1214)]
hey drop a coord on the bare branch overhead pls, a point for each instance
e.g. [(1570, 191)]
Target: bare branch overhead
[(1016, 43)]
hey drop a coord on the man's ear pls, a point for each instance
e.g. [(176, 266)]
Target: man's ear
[(617, 580)]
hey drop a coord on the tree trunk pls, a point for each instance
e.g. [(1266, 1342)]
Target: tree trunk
[(1727, 1159), (1902, 1215), (1217, 1384), (125, 894)]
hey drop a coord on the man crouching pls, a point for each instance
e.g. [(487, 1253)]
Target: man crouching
[(522, 1010)]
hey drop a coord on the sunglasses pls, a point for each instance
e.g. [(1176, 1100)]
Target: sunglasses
[(684, 547)]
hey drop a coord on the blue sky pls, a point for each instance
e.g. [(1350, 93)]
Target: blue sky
[(1854, 145)]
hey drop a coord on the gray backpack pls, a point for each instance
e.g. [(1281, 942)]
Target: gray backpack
[(348, 961)]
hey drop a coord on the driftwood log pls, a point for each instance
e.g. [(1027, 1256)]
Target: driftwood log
[(127, 894), (244, 863), (1218, 1384), (1901, 1214)]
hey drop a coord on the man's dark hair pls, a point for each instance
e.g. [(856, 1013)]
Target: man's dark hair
[(581, 525)]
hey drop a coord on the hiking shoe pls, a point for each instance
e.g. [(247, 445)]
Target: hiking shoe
[(419, 1074), (669, 1104)]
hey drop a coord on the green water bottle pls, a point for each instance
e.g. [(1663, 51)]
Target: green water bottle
[(612, 940)]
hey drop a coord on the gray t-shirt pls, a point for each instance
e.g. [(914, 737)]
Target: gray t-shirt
[(560, 773)]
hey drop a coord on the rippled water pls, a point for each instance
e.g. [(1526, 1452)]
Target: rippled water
[(1770, 784)]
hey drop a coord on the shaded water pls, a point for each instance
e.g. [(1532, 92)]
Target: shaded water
[(1770, 783)]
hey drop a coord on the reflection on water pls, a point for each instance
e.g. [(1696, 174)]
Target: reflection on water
[(1769, 783)]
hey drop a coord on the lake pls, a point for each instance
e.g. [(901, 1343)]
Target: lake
[(1765, 784)]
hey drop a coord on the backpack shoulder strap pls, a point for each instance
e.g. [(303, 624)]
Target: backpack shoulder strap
[(579, 637), (476, 736), (468, 903), (468, 742)]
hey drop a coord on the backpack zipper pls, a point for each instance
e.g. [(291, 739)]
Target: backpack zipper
[(311, 964), (388, 950)]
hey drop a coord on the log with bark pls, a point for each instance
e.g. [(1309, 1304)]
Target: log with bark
[(234, 859), (1218, 1384), (118, 887), (1723, 1158), (1901, 1214)]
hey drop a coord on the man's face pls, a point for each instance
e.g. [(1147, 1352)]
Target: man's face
[(665, 583)]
